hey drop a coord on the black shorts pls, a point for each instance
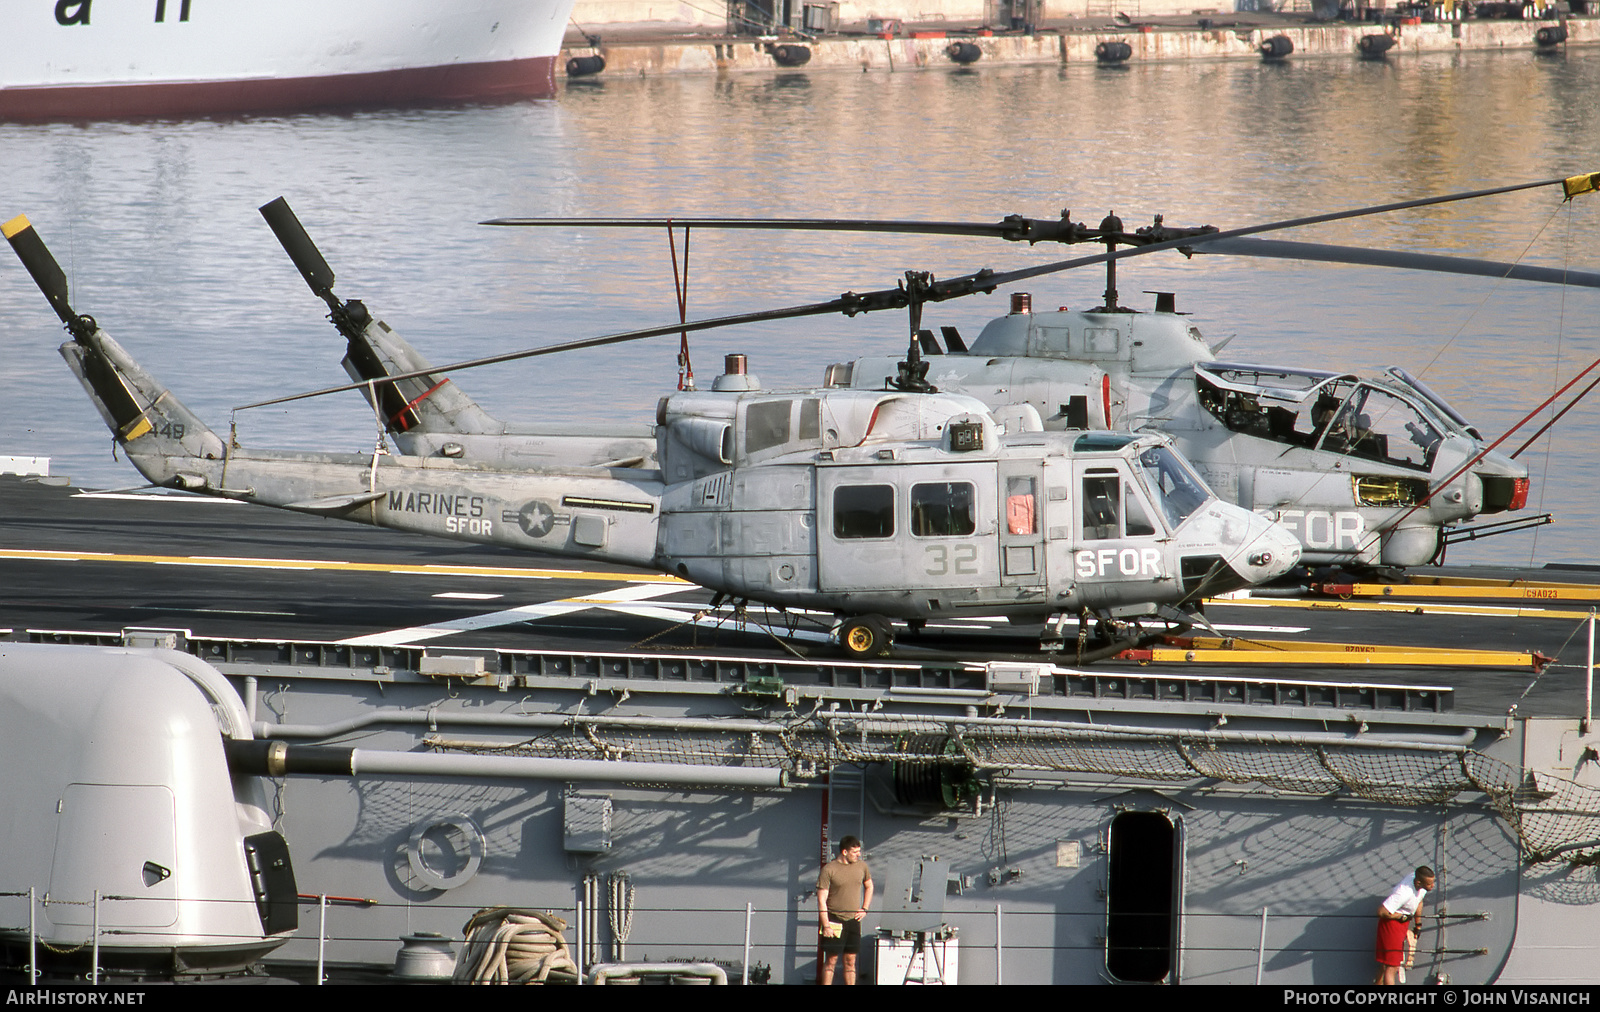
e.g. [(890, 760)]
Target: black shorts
[(849, 939)]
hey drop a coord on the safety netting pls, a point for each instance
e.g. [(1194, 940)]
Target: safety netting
[(1554, 817)]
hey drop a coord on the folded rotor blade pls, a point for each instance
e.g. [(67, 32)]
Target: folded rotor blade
[(1282, 250), (36, 257), (313, 267)]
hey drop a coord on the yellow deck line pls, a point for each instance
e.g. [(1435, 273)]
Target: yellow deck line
[(1530, 592), (1351, 654), (1480, 581), (349, 567), (1328, 604), (1281, 647)]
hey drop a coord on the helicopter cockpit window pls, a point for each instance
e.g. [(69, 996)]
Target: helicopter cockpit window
[(1133, 515), (1446, 416), (1102, 506), (1316, 416), (863, 511), (810, 419), (1105, 498), (1178, 490), (1242, 412), (1293, 407), (1377, 425), (942, 509), (766, 424)]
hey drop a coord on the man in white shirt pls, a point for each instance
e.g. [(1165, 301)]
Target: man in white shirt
[(1398, 926)]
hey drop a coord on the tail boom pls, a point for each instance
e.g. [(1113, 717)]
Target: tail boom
[(146, 419)]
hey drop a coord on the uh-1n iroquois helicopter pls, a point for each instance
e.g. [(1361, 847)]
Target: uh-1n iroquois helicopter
[(872, 505), (1366, 471)]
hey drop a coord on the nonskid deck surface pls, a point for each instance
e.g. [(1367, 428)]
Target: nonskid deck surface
[(101, 563)]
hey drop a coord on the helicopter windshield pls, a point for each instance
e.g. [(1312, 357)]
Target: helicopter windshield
[(1176, 489), (1445, 413)]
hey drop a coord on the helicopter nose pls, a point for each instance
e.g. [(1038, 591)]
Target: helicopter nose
[(1267, 552)]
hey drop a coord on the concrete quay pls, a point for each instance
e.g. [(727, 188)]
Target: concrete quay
[(1221, 37)]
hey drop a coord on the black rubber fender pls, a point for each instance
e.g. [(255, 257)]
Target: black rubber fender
[(585, 66), (1550, 35), (963, 53), (1113, 52), (789, 55), (1375, 46), (1276, 48)]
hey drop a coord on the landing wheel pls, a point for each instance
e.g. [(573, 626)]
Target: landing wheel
[(865, 636)]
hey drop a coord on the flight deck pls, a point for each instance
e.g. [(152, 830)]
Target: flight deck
[(92, 564)]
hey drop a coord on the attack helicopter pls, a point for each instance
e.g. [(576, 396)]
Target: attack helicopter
[(1366, 471), (905, 504)]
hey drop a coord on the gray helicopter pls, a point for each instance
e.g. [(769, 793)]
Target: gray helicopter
[(1366, 471), (873, 505)]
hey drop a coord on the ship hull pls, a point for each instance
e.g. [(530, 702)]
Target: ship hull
[(177, 58)]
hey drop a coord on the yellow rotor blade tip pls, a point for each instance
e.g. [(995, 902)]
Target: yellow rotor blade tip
[(1571, 186)]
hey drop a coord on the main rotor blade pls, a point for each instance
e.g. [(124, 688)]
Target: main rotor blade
[(1281, 250), (1572, 185), (297, 243), (36, 257), (773, 224), (984, 280), (1012, 228), (1017, 228), (815, 309)]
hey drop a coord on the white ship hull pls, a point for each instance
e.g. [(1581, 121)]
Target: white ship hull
[(99, 58)]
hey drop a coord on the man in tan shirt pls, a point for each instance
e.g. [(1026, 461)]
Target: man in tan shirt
[(844, 892)]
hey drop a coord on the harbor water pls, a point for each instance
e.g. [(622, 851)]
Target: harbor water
[(155, 223)]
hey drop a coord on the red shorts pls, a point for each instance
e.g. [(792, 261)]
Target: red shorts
[(1392, 942)]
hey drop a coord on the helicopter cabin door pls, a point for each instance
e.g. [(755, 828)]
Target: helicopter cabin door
[(906, 527), (1121, 539), (1022, 520)]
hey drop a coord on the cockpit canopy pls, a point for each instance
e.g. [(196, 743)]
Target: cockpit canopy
[(1337, 412)]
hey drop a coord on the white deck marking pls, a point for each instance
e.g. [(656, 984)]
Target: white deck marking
[(144, 497), (222, 561), (510, 616)]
